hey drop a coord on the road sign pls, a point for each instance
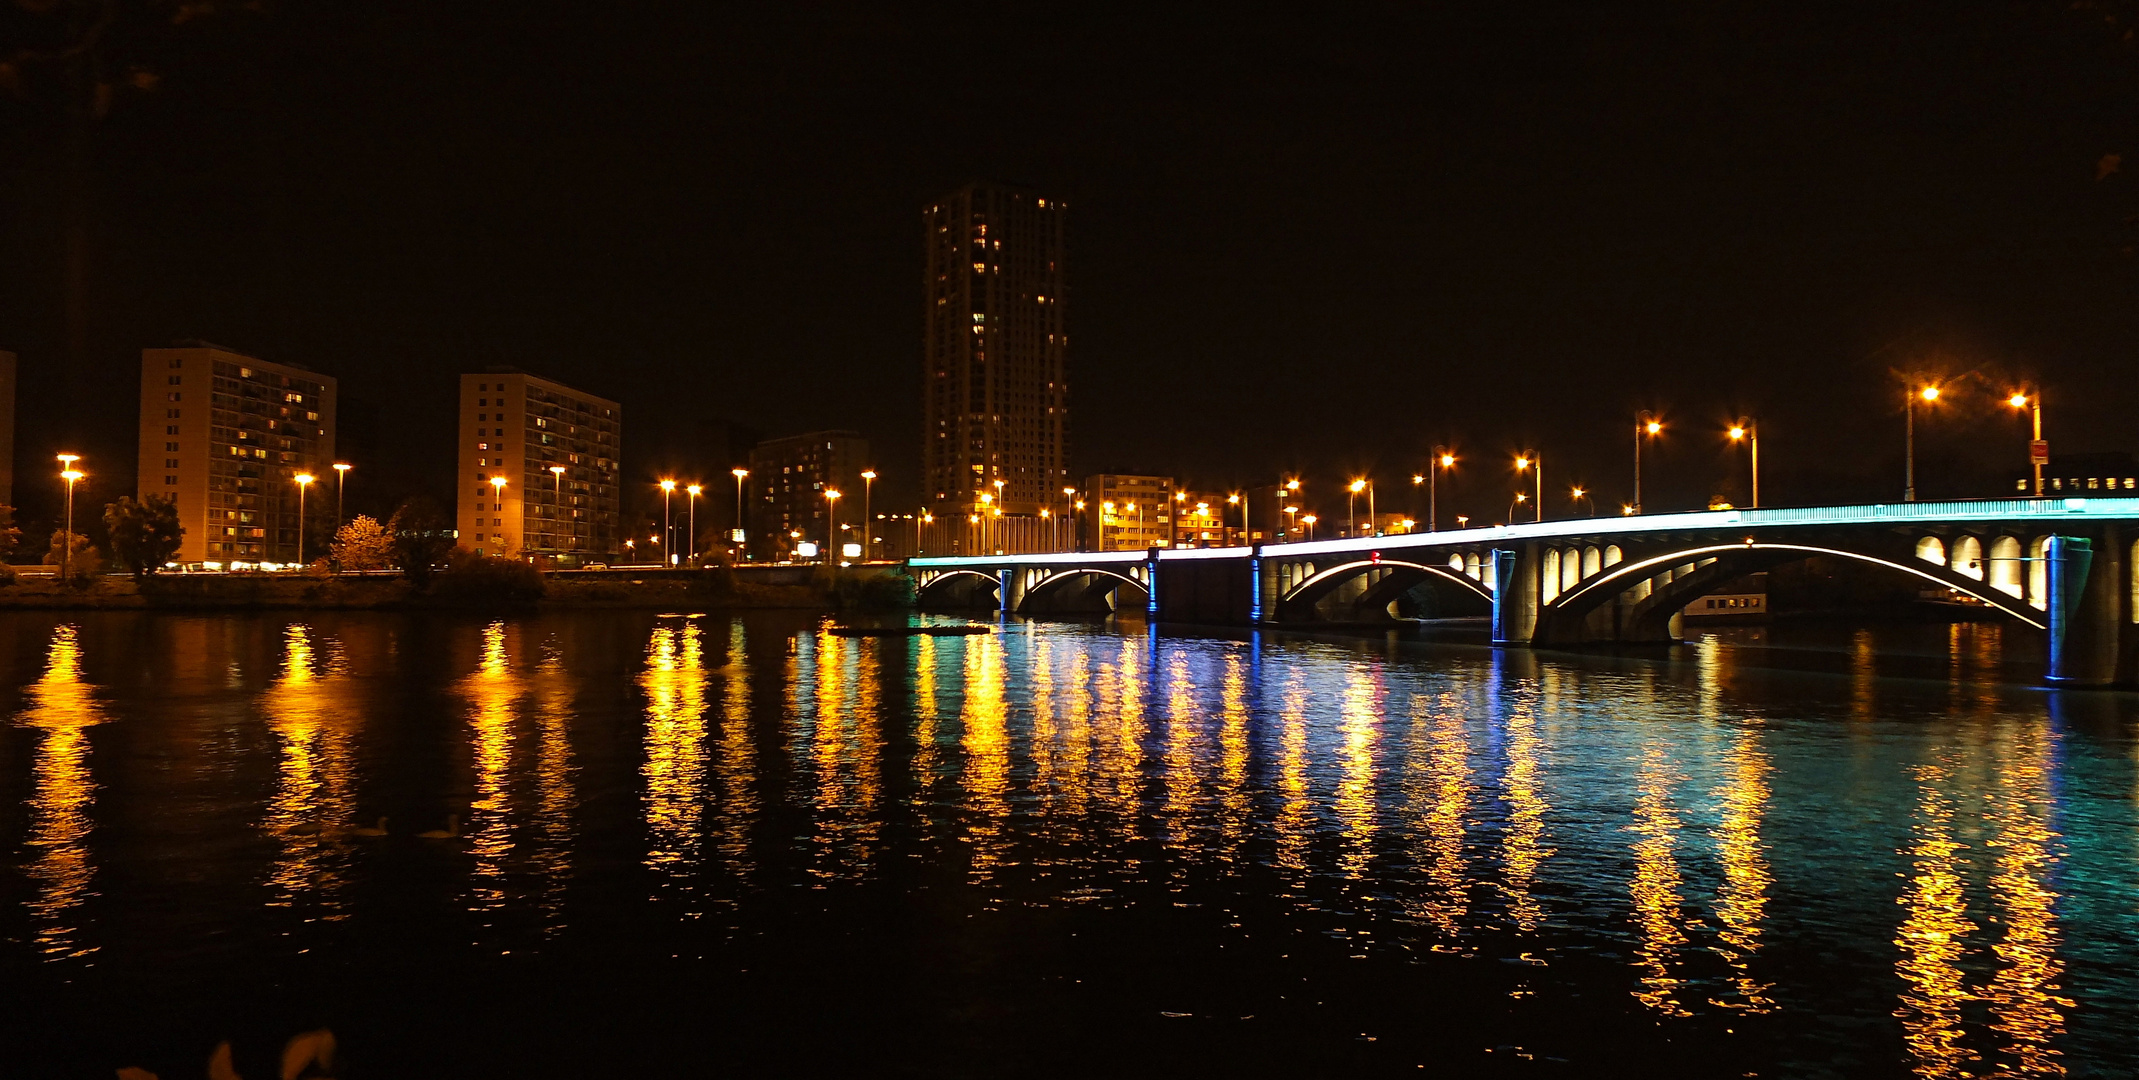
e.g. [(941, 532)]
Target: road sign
[(2039, 452)]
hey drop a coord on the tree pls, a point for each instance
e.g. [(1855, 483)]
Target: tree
[(9, 534), (144, 535), (83, 561), (421, 538), (363, 544)]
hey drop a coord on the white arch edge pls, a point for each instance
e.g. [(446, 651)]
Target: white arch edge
[(1441, 572)]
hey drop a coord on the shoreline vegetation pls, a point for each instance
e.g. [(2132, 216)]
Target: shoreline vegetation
[(506, 584)]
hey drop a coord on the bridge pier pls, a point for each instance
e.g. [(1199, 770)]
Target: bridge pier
[(2087, 614), (1515, 598)]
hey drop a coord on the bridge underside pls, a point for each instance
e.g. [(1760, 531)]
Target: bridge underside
[(2072, 577)]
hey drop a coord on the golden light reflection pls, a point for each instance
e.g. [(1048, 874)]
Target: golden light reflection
[(63, 706), (1233, 796), (1358, 731), (1294, 824), (738, 805), (2025, 1005), (674, 682), (847, 753), (1742, 899), (1863, 676), (1441, 798), (1120, 692), (928, 719), (985, 719), (556, 792), (1655, 888), (314, 723), (492, 688), (1522, 847), (1933, 935), (1182, 783)]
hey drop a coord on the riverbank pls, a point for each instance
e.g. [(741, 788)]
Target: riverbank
[(749, 588)]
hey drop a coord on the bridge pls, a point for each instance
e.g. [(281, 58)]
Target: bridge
[(2063, 566)]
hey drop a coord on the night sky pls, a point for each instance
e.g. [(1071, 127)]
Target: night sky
[(1324, 242)]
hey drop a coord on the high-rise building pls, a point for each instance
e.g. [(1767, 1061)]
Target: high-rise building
[(788, 480), (226, 435), (996, 396), (538, 469)]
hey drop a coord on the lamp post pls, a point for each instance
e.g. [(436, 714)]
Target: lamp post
[(1069, 497), (1520, 499), (1285, 492), (1292, 512), (1744, 430), (1442, 459), (304, 480), (70, 474), (740, 474), (2038, 450), (557, 509), (1575, 499), (1534, 463), (1646, 426), (341, 485), (692, 547), (497, 491), (1310, 520), (1351, 506), (1173, 519), (1235, 500), (668, 533), (831, 499), (868, 529), (1928, 395)]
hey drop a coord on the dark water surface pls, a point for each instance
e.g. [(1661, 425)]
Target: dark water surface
[(717, 845)]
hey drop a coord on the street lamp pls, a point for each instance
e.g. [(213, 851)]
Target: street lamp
[(556, 511), (497, 490), (668, 488), (1520, 499), (831, 499), (1928, 395), (1310, 519), (692, 546), (1576, 500), (1442, 459), (740, 475), (2038, 450), (1351, 504), (1745, 431), (868, 529), (341, 484), (1534, 463), (1173, 520), (1294, 513), (70, 474), (1291, 489), (304, 480), (1646, 426), (1234, 500)]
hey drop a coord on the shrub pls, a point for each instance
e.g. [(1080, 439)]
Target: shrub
[(363, 544), (83, 561), (483, 580)]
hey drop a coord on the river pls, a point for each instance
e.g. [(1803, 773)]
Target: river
[(694, 843)]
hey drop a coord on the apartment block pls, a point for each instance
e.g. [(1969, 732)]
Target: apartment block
[(788, 481), (1127, 512), (226, 435), (538, 469)]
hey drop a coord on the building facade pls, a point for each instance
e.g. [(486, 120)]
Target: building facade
[(790, 514), (1126, 512), (995, 395), (538, 469), (7, 428), (226, 435)]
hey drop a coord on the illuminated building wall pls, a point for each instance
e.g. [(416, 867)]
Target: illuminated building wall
[(1128, 513), (995, 397), (788, 479), (518, 426), (7, 428), (224, 434)]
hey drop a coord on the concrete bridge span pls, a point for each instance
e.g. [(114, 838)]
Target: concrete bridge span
[(2064, 566)]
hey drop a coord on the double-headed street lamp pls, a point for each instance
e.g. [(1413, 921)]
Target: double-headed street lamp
[(831, 543), (341, 486), (1286, 492), (1310, 519), (1745, 431), (70, 474), (1646, 426), (2038, 450), (1532, 462)]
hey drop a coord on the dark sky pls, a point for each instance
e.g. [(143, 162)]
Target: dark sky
[(1324, 241)]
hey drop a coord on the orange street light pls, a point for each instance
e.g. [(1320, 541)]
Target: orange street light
[(868, 494), (2038, 450), (691, 545), (304, 480), (70, 474), (1928, 394), (341, 483), (1646, 425), (1745, 431)]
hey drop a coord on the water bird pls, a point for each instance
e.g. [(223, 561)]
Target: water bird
[(450, 832), (358, 830)]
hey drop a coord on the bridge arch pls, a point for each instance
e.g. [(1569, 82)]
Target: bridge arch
[(1575, 614), (1088, 590), (960, 588), (1300, 602)]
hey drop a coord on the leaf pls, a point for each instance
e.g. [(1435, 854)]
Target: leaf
[(219, 1067), (310, 1048)]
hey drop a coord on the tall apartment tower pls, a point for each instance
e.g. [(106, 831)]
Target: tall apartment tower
[(556, 451), (226, 435), (996, 395), (7, 428)]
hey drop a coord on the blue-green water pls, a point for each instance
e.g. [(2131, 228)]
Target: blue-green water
[(697, 843)]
